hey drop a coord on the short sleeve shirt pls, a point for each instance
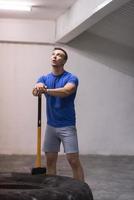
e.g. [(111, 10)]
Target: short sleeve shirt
[(60, 110)]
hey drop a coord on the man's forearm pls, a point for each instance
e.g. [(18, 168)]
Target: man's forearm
[(65, 91), (61, 92)]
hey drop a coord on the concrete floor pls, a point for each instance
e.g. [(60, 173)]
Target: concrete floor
[(109, 177)]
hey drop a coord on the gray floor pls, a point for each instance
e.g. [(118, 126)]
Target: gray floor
[(109, 177)]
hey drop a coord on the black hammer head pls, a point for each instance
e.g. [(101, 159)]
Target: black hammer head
[(38, 170)]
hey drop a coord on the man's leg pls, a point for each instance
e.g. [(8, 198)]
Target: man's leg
[(51, 148), (74, 161), (51, 160)]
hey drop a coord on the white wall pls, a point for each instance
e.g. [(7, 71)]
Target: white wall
[(28, 31), (104, 104), (20, 65), (82, 15), (22, 60), (73, 17)]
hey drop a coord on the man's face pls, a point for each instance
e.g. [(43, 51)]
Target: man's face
[(57, 58)]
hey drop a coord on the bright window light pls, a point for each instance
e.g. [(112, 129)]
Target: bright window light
[(15, 5)]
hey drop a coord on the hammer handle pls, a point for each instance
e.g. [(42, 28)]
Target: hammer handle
[(39, 110), (38, 156)]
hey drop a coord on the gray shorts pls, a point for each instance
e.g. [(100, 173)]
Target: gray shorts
[(66, 135)]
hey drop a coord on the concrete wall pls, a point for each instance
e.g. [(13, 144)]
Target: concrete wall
[(20, 65), (104, 104), (29, 31), (73, 17)]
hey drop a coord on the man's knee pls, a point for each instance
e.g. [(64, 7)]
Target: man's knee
[(51, 158), (73, 159)]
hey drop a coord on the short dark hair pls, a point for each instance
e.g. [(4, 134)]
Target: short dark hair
[(65, 53)]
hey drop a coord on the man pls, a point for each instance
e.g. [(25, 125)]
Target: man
[(60, 88)]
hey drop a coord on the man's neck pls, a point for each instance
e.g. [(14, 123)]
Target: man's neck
[(57, 70)]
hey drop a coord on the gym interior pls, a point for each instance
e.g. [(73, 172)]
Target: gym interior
[(99, 38)]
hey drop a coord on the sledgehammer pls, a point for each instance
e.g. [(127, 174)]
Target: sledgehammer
[(38, 169)]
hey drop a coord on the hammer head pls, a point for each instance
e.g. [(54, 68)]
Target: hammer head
[(38, 170)]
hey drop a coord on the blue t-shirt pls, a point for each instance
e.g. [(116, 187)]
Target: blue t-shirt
[(60, 110)]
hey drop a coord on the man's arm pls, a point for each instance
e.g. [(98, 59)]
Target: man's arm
[(65, 91)]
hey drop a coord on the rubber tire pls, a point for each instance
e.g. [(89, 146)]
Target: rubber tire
[(42, 187)]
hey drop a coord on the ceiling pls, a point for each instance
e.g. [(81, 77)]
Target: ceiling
[(117, 26), (42, 10)]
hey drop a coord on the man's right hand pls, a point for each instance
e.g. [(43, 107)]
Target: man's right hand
[(39, 89)]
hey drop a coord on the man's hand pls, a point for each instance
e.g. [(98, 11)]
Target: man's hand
[(39, 89)]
